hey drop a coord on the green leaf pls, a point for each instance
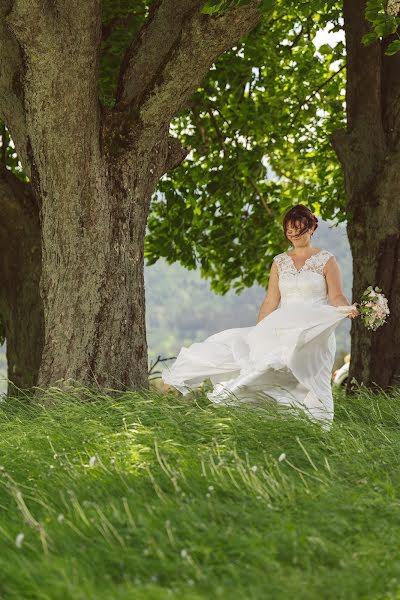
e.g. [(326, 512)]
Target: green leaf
[(325, 49), (268, 5), (393, 48), (369, 38)]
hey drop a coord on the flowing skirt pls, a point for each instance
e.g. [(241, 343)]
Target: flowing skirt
[(286, 357)]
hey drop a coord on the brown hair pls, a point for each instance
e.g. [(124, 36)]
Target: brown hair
[(304, 215)]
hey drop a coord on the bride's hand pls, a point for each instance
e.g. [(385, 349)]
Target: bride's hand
[(354, 313)]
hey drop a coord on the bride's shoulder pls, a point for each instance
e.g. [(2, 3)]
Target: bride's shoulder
[(326, 254), (324, 258), (278, 258)]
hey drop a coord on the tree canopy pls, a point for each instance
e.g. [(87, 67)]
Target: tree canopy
[(259, 132)]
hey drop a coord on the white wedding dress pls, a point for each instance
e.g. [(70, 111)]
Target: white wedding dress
[(287, 356)]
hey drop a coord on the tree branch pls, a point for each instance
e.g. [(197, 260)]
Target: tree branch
[(172, 54), (149, 50), (340, 140), (176, 154)]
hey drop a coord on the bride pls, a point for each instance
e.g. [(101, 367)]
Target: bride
[(288, 355)]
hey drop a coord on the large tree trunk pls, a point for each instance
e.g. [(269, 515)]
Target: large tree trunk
[(93, 170), (20, 268), (369, 152), (93, 283)]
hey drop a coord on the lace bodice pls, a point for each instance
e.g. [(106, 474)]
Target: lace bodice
[(308, 284)]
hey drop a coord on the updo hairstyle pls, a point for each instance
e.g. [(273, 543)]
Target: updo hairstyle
[(304, 215)]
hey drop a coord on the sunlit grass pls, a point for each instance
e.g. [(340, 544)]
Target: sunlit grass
[(151, 495)]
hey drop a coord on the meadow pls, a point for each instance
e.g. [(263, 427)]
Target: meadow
[(151, 495)]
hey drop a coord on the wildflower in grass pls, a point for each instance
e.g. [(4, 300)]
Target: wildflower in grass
[(184, 553), (92, 461), (254, 468), (60, 518), (19, 539), (210, 488), (282, 457)]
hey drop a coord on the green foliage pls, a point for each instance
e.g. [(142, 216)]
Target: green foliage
[(383, 25), (8, 155), (393, 47), (271, 100), (121, 23), (218, 7), (157, 496)]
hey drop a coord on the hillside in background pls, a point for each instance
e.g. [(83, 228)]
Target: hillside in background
[(181, 308)]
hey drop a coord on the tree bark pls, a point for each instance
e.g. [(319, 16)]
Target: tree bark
[(93, 170), (369, 152), (20, 268)]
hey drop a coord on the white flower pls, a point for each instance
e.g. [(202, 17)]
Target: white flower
[(184, 553), (210, 488), (375, 308), (92, 461), (19, 539), (393, 7), (282, 457), (254, 468), (60, 518)]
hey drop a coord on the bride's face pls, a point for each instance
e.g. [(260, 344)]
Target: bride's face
[(295, 228)]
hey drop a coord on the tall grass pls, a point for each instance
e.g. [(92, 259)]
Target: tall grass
[(151, 495)]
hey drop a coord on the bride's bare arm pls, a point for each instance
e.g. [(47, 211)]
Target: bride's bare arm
[(334, 282), (273, 296), (335, 288)]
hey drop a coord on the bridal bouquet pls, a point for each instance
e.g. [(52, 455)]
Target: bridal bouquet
[(373, 308)]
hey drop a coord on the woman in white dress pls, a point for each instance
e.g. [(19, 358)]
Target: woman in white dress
[(288, 355)]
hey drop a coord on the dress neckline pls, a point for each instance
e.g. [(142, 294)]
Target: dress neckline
[(305, 262)]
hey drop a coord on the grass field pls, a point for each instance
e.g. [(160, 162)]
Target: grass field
[(154, 496)]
